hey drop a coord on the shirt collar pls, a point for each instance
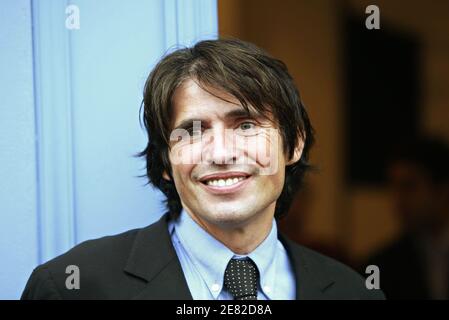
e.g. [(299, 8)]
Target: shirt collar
[(210, 257)]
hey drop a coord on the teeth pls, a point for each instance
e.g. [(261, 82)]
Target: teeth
[(224, 182)]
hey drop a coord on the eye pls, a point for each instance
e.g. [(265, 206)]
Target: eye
[(247, 126), (194, 131)]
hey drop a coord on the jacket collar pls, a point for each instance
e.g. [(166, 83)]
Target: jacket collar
[(311, 281), (154, 260)]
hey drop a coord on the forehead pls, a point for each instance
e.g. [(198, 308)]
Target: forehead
[(192, 101)]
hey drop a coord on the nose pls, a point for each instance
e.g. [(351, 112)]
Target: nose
[(219, 146)]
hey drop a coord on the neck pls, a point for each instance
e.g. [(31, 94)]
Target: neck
[(243, 237)]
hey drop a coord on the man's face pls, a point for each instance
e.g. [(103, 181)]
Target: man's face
[(231, 167)]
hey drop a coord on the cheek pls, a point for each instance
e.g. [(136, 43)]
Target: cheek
[(270, 186), (181, 167), (265, 148), (182, 181), (277, 178), (185, 154)]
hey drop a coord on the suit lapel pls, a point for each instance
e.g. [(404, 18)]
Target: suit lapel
[(154, 260), (310, 283)]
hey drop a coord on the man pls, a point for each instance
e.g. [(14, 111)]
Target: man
[(416, 265), (228, 145)]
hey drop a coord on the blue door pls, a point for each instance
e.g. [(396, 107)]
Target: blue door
[(71, 82)]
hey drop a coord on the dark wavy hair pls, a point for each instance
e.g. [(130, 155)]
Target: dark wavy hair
[(252, 76)]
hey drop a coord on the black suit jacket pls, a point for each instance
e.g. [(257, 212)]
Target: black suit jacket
[(402, 269), (142, 264)]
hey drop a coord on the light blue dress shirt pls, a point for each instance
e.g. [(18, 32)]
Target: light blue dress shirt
[(204, 259)]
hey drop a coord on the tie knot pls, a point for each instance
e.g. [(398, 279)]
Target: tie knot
[(241, 277)]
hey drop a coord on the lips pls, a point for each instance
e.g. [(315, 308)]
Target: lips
[(225, 182), (224, 176)]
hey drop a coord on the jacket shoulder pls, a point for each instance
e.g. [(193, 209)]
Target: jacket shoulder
[(99, 264), (338, 281)]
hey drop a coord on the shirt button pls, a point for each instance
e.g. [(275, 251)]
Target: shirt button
[(215, 287), (267, 289)]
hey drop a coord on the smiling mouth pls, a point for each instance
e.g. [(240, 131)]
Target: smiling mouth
[(224, 180)]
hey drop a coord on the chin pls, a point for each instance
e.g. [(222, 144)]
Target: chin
[(229, 217)]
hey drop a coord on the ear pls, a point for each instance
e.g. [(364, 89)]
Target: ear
[(298, 151), (165, 175)]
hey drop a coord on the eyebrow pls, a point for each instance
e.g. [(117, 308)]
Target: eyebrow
[(233, 114)]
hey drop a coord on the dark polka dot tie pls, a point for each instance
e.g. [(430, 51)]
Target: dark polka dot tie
[(241, 277)]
